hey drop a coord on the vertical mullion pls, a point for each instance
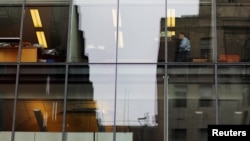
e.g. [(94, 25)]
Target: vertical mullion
[(21, 33), (71, 9), (216, 95), (214, 43), (17, 72), (64, 135), (116, 67), (65, 102), (165, 101), (214, 31)]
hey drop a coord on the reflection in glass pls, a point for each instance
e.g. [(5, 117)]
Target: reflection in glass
[(40, 98), (93, 31), (90, 98), (7, 92), (100, 40), (193, 20), (140, 101), (45, 32), (234, 95), (233, 31), (10, 25), (103, 78), (139, 30), (11, 14), (191, 98), (77, 42), (81, 107)]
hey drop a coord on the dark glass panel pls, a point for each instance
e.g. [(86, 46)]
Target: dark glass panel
[(40, 98), (7, 94), (191, 101)]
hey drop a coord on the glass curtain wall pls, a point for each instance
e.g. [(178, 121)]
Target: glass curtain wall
[(233, 47), (189, 31), (10, 25), (92, 71), (233, 81), (191, 101), (138, 35), (11, 19), (118, 60), (122, 69), (191, 69), (233, 31), (218, 32), (7, 88), (40, 98), (32, 90), (45, 31)]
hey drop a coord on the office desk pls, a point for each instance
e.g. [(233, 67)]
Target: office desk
[(10, 54)]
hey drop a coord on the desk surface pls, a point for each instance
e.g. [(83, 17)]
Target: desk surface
[(17, 47), (10, 54)]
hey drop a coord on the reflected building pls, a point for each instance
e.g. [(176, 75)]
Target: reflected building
[(114, 75), (232, 32), (192, 89)]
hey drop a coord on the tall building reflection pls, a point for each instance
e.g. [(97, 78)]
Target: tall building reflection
[(81, 114)]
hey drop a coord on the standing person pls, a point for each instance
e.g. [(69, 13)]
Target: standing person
[(184, 48)]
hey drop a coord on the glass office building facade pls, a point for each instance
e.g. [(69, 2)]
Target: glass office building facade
[(110, 70)]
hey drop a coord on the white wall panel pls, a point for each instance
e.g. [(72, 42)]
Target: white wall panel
[(5, 136), (80, 136)]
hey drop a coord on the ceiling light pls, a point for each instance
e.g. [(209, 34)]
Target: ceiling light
[(171, 18), (36, 17), (41, 38)]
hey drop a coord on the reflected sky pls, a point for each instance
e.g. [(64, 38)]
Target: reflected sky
[(138, 42), (184, 7), (138, 36), (136, 84)]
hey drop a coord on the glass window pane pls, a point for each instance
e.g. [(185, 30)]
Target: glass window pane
[(140, 101), (40, 98), (90, 98), (45, 32), (189, 31), (10, 25), (233, 30), (139, 30), (7, 92), (191, 101), (10, 18), (234, 98), (93, 32)]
